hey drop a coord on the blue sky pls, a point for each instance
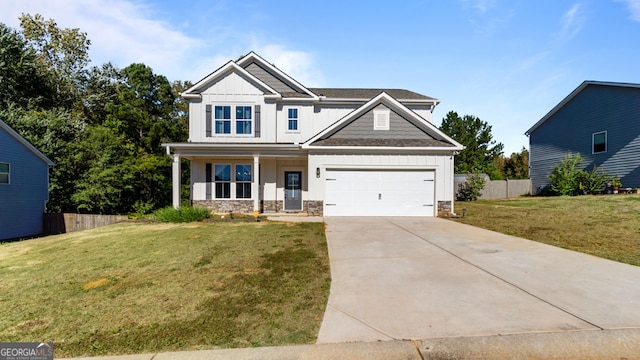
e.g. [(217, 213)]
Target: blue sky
[(506, 62)]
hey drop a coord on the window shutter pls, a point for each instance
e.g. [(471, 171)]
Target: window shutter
[(208, 181), (208, 121), (257, 121)]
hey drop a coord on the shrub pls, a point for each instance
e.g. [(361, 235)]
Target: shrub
[(568, 179), (471, 189), (182, 214)]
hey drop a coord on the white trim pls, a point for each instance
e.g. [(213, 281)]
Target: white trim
[(593, 143), (253, 56), (193, 92), (8, 173), (389, 101)]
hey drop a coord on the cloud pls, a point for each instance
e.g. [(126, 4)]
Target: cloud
[(299, 65), (572, 21), (634, 8), (129, 31)]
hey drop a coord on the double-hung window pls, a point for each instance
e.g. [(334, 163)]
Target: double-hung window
[(223, 119), (243, 181), (243, 120), (223, 181), (4, 173), (293, 119), (600, 142)]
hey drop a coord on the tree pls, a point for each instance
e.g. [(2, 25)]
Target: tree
[(480, 150), (20, 82), (62, 56), (515, 166)]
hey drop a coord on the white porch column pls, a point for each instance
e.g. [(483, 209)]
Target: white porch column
[(255, 185), (175, 175)]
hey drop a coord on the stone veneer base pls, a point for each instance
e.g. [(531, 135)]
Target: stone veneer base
[(311, 207)]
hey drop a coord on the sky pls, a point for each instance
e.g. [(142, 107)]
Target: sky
[(508, 62)]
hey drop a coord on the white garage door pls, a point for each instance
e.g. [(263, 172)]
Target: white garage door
[(379, 193)]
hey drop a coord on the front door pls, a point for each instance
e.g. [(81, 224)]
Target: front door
[(293, 190)]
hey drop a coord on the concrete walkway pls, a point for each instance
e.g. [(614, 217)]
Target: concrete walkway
[(428, 278)]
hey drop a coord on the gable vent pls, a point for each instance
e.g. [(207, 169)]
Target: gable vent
[(381, 119)]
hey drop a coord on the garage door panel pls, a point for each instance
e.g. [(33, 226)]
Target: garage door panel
[(379, 193)]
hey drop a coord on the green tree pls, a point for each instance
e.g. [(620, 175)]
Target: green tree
[(480, 150), (515, 166), (20, 82), (564, 177), (62, 56), (54, 133)]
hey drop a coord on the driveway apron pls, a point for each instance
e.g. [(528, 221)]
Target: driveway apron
[(422, 278)]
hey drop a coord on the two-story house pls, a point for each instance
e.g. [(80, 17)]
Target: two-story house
[(261, 141)]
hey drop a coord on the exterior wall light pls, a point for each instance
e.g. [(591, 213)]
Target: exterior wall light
[(317, 172)]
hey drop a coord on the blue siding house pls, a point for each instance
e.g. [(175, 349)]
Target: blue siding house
[(24, 185), (598, 120)]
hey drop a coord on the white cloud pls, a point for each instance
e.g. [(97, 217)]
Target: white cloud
[(125, 32), (297, 64), (634, 8), (572, 21)]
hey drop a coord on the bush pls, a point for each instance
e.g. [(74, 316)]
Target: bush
[(182, 214), (471, 189), (567, 179)]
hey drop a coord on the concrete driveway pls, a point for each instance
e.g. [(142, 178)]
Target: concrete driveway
[(427, 278)]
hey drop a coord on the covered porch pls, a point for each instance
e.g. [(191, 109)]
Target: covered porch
[(241, 178)]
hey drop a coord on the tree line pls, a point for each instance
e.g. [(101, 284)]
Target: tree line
[(101, 125)]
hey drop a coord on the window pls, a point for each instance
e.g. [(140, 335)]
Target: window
[(243, 181), (600, 142), (243, 119), (223, 181), (381, 119), (223, 119), (293, 119), (4, 173)]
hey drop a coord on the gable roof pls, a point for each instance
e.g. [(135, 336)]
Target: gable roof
[(572, 95), (436, 139), (26, 144), (194, 91)]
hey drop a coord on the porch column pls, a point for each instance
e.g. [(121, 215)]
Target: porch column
[(255, 185), (175, 175)]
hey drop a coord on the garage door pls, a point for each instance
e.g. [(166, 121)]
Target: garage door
[(379, 193)]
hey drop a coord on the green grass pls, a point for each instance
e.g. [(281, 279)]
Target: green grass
[(143, 287), (605, 226)]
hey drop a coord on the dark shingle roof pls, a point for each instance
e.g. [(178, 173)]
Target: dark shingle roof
[(383, 142), (366, 94)]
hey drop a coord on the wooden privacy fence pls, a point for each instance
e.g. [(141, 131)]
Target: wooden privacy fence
[(64, 223), (501, 189)]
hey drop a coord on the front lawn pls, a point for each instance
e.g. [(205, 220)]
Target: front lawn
[(147, 287), (606, 226)]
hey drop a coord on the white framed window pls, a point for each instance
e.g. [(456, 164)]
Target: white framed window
[(381, 119), (243, 181), (240, 123), (243, 120), (599, 142), (5, 171), (292, 117)]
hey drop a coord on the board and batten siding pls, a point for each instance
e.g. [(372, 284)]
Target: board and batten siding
[(614, 109), (24, 198)]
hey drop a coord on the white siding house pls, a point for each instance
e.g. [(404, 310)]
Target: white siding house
[(24, 185), (261, 141)]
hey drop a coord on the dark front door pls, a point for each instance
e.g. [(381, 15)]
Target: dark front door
[(293, 191)]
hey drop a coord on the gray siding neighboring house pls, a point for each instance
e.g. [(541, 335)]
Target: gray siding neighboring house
[(598, 120), (24, 185)]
